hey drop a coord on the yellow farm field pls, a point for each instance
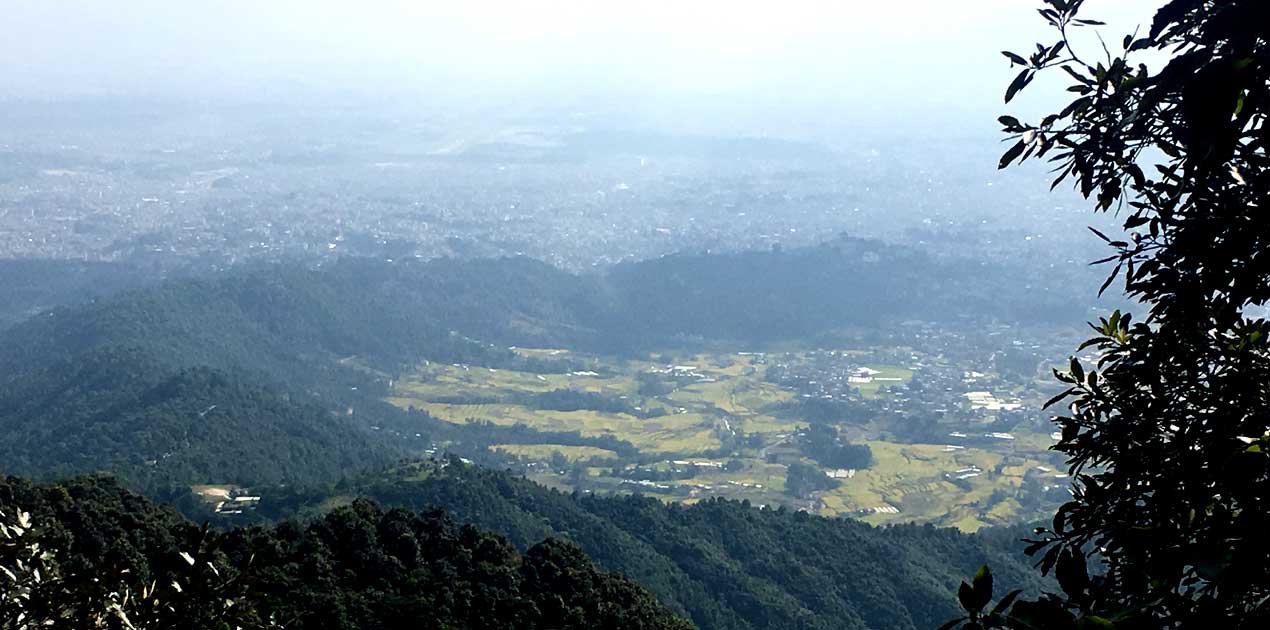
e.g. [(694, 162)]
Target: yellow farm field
[(672, 433), (547, 451)]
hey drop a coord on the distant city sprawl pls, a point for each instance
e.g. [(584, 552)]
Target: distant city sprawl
[(213, 188)]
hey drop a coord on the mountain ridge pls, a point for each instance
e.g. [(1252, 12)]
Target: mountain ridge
[(720, 563), (291, 331)]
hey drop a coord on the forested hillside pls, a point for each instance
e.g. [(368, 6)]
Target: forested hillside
[(34, 285), (394, 313), (722, 564), (757, 297), (239, 379), (268, 374), (276, 378), (357, 567), (116, 410)]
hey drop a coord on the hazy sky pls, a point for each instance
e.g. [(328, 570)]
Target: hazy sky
[(921, 56)]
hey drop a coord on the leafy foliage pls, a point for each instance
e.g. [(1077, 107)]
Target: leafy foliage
[(822, 443), (803, 480), (36, 592), (357, 567), (722, 564), (1168, 435)]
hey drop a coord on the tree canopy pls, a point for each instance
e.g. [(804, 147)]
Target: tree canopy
[(89, 554), (1166, 432)]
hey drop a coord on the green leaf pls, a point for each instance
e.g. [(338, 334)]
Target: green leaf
[(1057, 398), (1110, 278), (1098, 233), (973, 599), (1012, 153), (1141, 44), (1072, 574), (1006, 601), (1078, 372), (982, 583), (1077, 106), (1091, 342), (1093, 622), (1135, 221), (1063, 377), (1075, 75), (1014, 58), (966, 595), (1019, 82)]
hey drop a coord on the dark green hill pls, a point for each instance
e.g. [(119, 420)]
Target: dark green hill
[(29, 286), (722, 564), (357, 567), (287, 320), (90, 387), (116, 410), (758, 297), (122, 384)]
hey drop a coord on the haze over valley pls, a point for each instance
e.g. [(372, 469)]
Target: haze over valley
[(718, 315)]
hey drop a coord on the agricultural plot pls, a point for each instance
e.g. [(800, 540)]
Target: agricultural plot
[(926, 482), (545, 452), (708, 426)]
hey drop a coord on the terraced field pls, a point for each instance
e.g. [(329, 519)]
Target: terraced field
[(707, 426), (545, 452)]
